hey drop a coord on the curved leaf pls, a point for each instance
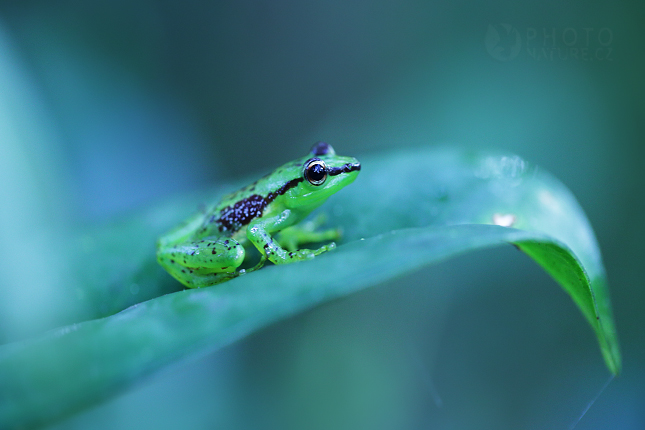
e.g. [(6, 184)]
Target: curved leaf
[(428, 204)]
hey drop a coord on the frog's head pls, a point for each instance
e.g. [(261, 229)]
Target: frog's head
[(322, 173)]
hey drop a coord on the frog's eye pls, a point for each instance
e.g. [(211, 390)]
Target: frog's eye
[(316, 171)]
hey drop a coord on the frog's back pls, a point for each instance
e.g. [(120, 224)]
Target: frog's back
[(236, 210), (300, 185)]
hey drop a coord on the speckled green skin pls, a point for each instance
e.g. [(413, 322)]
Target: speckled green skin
[(209, 247)]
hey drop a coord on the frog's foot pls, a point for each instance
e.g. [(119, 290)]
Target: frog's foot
[(325, 248), (263, 260), (198, 278), (292, 237), (302, 254), (192, 279)]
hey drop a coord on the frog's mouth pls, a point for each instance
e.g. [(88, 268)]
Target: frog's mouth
[(346, 168)]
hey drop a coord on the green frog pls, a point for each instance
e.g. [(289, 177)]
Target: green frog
[(208, 248)]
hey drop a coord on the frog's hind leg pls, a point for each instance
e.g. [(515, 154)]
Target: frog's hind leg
[(192, 279), (220, 254), (206, 262)]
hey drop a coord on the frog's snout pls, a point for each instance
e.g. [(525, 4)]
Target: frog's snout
[(345, 168)]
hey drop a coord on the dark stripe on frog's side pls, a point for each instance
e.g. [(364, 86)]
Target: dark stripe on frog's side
[(233, 218), (349, 167)]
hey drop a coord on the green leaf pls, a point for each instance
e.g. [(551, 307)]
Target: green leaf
[(427, 205)]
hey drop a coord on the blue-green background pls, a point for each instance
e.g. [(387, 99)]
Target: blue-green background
[(106, 107)]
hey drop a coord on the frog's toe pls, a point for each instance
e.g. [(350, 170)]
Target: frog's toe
[(325, 248)]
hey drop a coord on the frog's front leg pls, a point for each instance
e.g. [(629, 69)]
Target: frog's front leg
[(307, 232), (203, 263), (259, 233)]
